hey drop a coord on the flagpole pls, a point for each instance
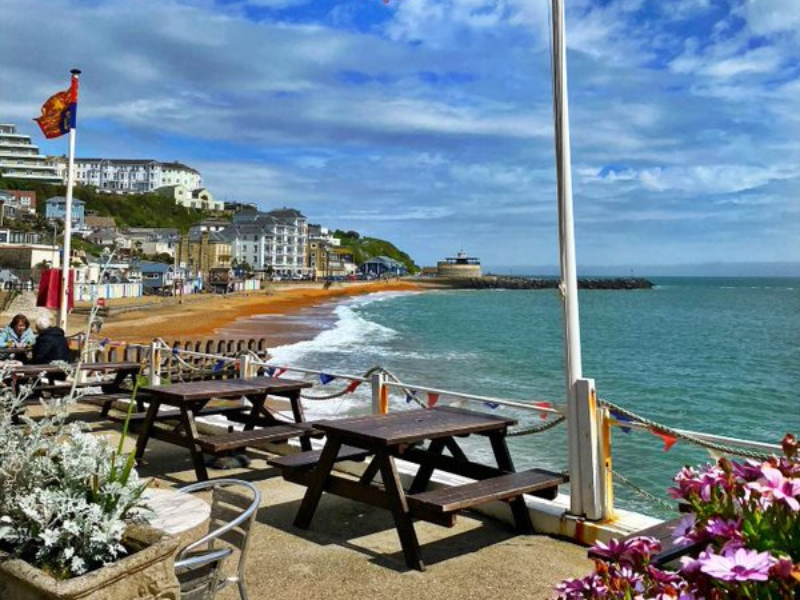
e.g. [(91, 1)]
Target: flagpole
[(63, 305)]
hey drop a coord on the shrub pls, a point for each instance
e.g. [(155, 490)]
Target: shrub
[(64, 493)]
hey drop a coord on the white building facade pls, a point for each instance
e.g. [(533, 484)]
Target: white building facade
[(129, 175), (270, 242), (20, 158)]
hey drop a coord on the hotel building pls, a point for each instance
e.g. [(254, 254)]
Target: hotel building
[(20, 158)]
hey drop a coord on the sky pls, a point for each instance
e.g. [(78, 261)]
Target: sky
[(429, 122)]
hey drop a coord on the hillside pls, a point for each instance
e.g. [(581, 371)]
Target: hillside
[(364, 248), (135, 210)]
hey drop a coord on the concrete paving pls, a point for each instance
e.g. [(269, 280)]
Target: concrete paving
[(352, 551)]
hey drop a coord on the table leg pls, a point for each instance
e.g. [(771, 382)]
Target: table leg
[(299, 417), (187, 418), (522, 516), (425, 471), (144, 433), (314, 492), (399, 507)]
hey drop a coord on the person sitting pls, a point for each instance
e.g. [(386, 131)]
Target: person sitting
[(51, 343), (18, 334)]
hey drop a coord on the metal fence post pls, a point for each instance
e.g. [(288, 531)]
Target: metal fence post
[(606, 473), (587, 486), (380, 393), (155, 362)]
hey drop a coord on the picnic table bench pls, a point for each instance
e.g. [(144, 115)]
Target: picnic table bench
[(112, 389), (383, 438), (191, 399)]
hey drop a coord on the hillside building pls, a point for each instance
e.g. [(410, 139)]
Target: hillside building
[(56, 208), (20, 158), (200, 198), (126, 176)]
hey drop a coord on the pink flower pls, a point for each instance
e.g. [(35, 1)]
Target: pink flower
[(774, 487), (632, 551), (741, 565)]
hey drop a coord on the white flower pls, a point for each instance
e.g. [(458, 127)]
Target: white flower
[(49, 537)]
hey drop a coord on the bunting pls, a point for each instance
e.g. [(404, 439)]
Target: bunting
[(410, 395), (352, 387), (175, 351), (669, 440), (432, 399), (218, 366), (279, 372), (543, 415), (325, 379), (492, 405), (620, 418), (270, 371)]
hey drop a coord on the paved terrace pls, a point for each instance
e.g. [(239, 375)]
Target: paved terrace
[(351, 551)]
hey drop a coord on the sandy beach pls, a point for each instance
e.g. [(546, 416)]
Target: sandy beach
[(205, 317)]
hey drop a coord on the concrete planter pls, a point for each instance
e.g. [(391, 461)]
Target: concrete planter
[(147, 574)]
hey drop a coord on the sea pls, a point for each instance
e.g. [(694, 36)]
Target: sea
[(714, 355)]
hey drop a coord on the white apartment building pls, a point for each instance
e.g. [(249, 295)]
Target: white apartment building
[(274, 240), (129, 175), (20, 158)]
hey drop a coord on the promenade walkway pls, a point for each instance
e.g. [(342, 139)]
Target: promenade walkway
[(351, 551)]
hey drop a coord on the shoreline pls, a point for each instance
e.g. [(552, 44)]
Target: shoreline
[(216, 316)]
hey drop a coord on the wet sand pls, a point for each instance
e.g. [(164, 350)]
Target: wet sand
[(238, 316)]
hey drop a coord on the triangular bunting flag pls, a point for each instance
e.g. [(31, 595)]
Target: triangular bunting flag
[(410, 396), (432, 399), (279, 372), (175, 351), (104, 343), (492, 405), (669, 440), (218, 366), (270, 371), (543, 415), (352, 387), (325, 379), (620, 418)]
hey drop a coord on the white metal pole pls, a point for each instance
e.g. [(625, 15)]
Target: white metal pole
[(581, 419), (63, 304)]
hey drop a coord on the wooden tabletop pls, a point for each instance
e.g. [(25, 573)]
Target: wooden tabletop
[(414, 425), (28, 370), (222, 388)]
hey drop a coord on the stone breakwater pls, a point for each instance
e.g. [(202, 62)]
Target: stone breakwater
[(530, 283)]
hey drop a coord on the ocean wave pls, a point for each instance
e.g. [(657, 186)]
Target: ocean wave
[(351, 332)]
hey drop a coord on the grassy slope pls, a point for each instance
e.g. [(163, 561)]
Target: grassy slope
[(364, 248)]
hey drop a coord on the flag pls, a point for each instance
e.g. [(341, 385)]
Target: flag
[(352, 387), (50, 284), (325, 379), (543, 415), (279, 372), (410, 395), (669, 440), (60, 112), (432, 399), (270, 371), (619, 418)]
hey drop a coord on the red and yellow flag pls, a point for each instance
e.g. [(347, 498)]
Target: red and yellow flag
[(60, 112)]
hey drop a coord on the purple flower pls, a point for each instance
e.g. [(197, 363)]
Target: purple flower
[(741, 565), (632, 551), (750, 470), (684, 531), (774, 487), (577, 589)]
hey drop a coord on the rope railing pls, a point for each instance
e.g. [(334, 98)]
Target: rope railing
[(716, 443)]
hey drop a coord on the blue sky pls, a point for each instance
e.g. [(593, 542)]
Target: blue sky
[(429, 122)]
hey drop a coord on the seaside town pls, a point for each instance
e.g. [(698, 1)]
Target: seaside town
[(224, 376)]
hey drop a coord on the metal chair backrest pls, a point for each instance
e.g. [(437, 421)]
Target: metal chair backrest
[(232, 516), (200, 575)]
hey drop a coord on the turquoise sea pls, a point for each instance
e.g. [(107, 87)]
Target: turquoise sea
[(718, 355)]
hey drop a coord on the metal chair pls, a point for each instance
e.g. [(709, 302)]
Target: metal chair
[(232, 515), (200, 575)]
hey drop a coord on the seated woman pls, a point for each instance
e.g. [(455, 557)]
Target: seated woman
[(51, 343), (18, 334)]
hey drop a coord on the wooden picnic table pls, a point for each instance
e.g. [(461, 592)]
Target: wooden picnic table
[(191, 399), (400, 435), (112, 388)]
